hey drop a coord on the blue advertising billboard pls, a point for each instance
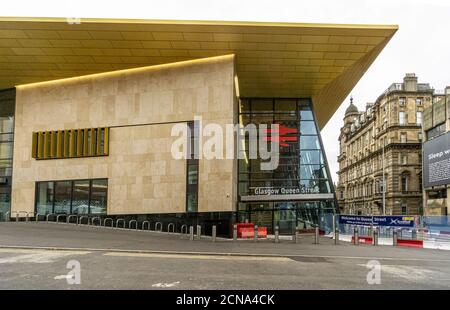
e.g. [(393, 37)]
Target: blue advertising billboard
[(392, 221)]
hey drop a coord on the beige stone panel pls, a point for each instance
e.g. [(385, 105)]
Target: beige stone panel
[(139, 156)]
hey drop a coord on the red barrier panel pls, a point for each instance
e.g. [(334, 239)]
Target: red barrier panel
[(248, 231), (410, 243), (246, 226), (363, 239), (262, 232)]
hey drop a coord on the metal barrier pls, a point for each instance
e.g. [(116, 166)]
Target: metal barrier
[(156, 226), (131, 222), (36, 218), (277, 234), (111, 220), (214, 232), (394, 237), (183, 228), (143, 225), (48, 215), (96, 218), (316, 235), (119, 221), (355, 236), (375, 236), (255, 233), (235, 232), (191, 233), (80, 220), (171, 225), (59, 215), (199, 232), (27, 216), (336, 235), (71, 216)]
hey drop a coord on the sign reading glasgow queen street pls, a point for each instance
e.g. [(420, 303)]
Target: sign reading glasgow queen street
[(394, 221), (436, 161)]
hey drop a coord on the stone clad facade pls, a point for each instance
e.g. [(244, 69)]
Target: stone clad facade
[(140, 106)]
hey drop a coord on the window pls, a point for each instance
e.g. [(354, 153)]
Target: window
[(192, 168), (404, 209), (404, 159), (419, 102), (401, 118), (419, 136), (72, 197), (70, 143), (403, 137), (402, 101), (404, 183), (419, 118)]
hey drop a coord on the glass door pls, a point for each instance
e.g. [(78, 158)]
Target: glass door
[(285, 217)]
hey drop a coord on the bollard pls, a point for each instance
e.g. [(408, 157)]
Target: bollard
[(191, 233), (199, 232), (235, 232), (355, 236), (214, 233), (414, 234), (316, 235), (255, 233), (375, 236), (296, 235), (336, 235), (394, 237), (277, 234)]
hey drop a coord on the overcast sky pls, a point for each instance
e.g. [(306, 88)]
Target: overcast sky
[(422, 44)]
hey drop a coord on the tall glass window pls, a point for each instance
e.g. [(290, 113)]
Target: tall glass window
[(80, 201), (7, 106), (192, 168), (72, 197), (98, 196), (63, 196)]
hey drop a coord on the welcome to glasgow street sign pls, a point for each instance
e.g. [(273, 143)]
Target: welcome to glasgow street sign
[(392, 221)]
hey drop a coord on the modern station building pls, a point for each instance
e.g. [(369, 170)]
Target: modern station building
[(88, 108)]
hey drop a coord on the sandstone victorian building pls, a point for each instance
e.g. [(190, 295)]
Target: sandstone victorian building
[(384, 141)]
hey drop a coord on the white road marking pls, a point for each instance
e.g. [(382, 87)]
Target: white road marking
[(36, 256), (164, 285), (411, 273), (207, 257), (63, 277)]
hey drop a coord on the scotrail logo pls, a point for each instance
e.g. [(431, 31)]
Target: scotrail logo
[(282, 136)]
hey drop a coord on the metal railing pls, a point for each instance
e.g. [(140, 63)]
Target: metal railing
[(120, 221), (111, 220), (59, 215), (173, 227), (80, 221), (132, 222), (143, 225), (48, 216), (160, 226), (72, 216), (184, 229)]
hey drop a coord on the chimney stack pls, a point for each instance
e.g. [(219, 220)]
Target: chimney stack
[(410, 82)]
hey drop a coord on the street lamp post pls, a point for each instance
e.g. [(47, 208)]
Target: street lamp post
[(384, 184)]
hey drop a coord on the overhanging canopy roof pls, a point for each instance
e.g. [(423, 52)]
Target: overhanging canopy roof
[(321, 61)]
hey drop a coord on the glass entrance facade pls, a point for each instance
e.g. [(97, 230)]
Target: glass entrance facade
[(7, 109), (299, 190)]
